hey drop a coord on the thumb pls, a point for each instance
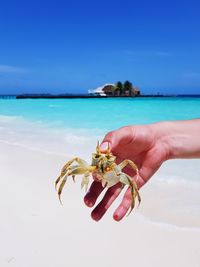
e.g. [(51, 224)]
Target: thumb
[(104, 146), (114, 138), (108, 141)]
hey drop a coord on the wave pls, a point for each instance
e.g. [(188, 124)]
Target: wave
[(9, 118), (55, 106), (36, 135)]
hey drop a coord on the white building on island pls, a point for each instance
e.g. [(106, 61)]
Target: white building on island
[(99, 91)]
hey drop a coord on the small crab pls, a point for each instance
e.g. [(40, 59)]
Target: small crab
[(105, 169)]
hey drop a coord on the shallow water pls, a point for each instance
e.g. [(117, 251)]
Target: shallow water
[(101, 114)]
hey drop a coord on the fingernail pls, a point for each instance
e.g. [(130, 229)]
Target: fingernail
[(88, 202), (95, 217), (116, 217), (104, 146)]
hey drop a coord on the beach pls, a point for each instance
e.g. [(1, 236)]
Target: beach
[(36, 230)]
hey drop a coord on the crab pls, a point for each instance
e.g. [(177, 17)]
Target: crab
[(106, 171)]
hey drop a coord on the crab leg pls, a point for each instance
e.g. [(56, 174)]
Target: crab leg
[(137, 192), (134, 190), (132, 195), (85, 181), (57, 181), (125, 179), (64, 170), (61, 187), (125, 162), (122, 165), (67, 167), (75, 171), (78, 170)]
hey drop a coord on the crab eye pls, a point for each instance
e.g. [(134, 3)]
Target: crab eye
[(97, 156)]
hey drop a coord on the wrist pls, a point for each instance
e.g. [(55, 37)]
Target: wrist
[(181, 138)]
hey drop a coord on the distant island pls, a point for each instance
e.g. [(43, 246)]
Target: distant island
[(119, 89), (107, 90)]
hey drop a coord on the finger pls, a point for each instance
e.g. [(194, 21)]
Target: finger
[(93, 193), (150, 165), (123, 207), (152, 162), (125, 204), (111, 194)]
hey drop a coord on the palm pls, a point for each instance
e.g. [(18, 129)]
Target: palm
[(138, 144)]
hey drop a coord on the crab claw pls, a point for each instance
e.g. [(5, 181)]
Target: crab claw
[(108, 149), (98, 148)]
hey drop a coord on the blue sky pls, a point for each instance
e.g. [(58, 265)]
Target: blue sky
[(72, 46)]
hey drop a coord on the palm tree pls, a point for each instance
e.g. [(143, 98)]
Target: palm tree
[(128, 87), (119, 87)]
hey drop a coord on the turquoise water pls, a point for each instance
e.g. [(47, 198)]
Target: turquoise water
[(105, 114)]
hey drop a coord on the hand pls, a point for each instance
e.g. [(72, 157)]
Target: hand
[(141, 144)]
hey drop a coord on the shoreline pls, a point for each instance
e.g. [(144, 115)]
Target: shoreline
[(49, 96)]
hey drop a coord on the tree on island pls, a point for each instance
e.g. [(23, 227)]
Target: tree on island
[(128, 87), (119, 87), (122, 89)]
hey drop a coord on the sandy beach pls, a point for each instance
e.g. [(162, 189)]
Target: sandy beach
[(37, 231)]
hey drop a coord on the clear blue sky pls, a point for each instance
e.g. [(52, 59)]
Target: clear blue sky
[(72, 46)]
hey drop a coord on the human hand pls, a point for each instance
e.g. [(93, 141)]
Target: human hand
[(141, 144)]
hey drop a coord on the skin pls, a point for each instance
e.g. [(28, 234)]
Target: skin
[(148, 146)]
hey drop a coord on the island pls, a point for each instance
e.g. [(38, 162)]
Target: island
[(119, 89)]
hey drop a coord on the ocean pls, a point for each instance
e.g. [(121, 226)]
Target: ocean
[(101, 114)]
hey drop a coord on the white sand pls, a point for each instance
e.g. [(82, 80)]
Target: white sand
[(35, 230)]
